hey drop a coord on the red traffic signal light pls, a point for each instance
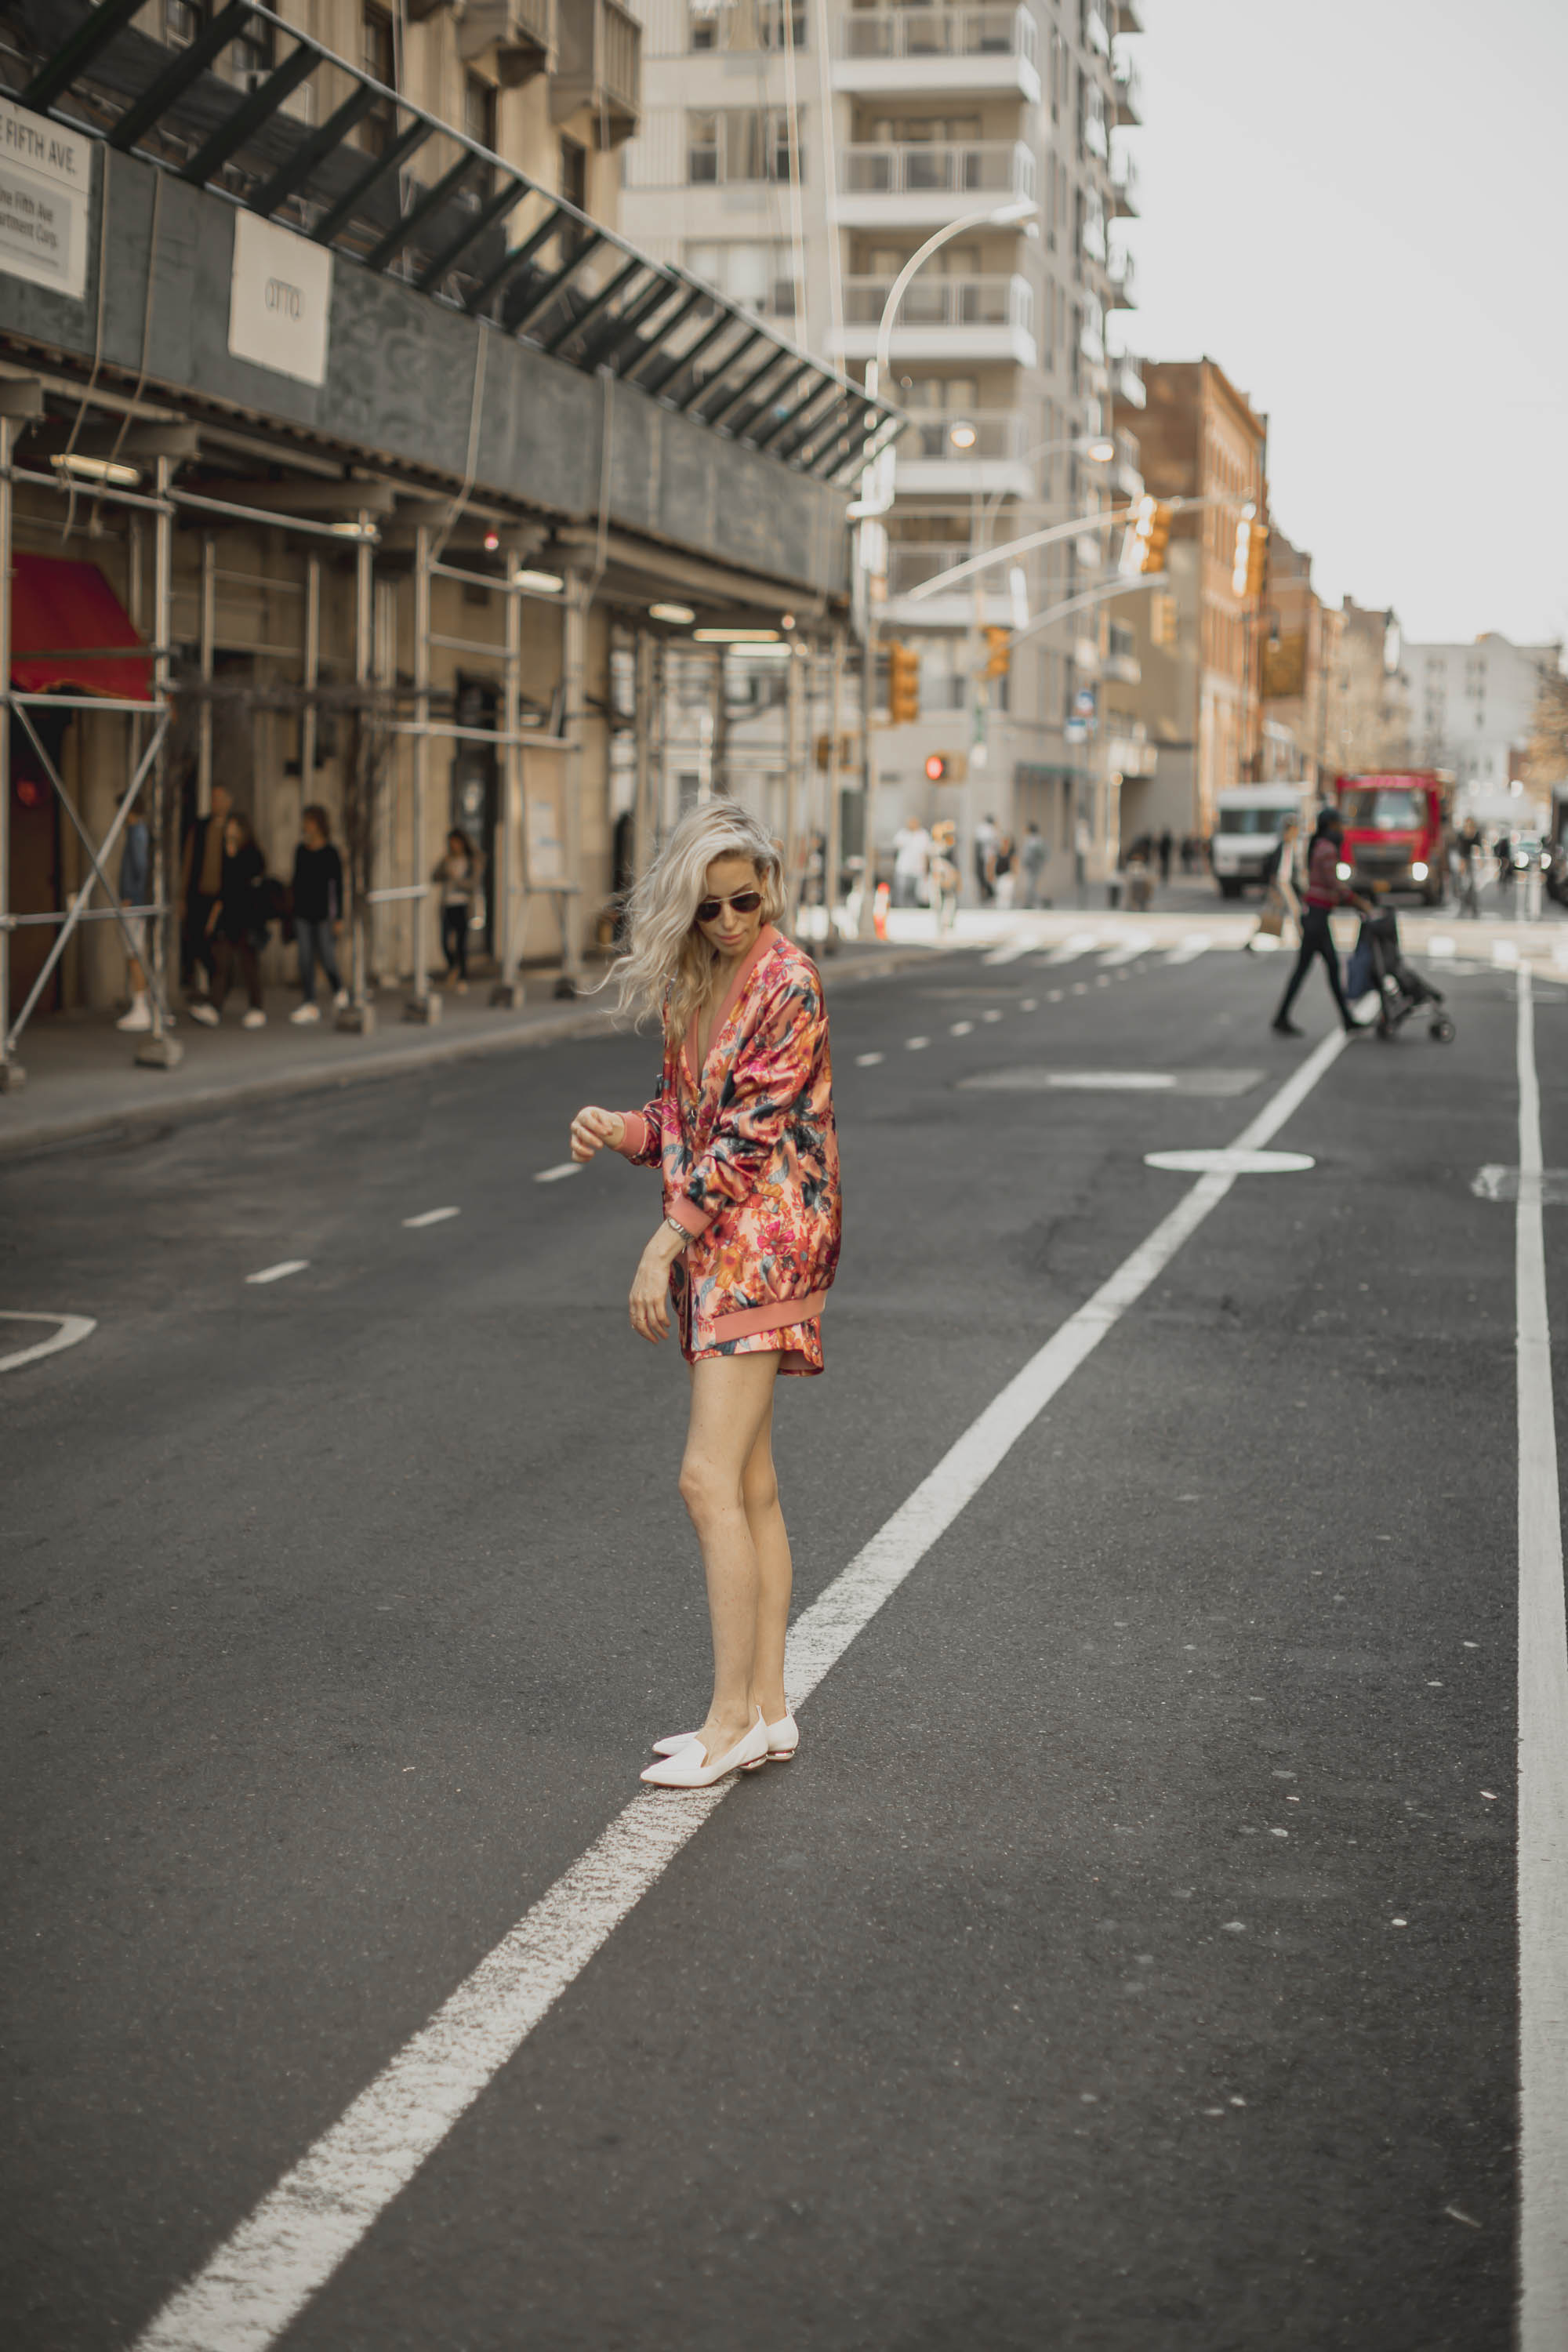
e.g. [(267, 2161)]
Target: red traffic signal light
[(936, 768)]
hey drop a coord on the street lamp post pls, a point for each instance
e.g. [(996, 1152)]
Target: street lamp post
[(871, 506)]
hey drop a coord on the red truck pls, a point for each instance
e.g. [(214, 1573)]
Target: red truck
[(1396, 831)]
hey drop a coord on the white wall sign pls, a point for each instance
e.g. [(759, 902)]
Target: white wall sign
[(45, 173), (280, 299)]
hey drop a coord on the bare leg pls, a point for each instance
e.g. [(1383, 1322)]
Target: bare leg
[(760, 1494), (732, 1399)]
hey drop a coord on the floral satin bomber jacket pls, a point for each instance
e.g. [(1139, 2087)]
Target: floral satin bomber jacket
[(749, 1152)]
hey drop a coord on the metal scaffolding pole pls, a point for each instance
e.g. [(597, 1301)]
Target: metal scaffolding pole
[(158, 1050), (833, 854), (312, 671), (358, 1014), (573, 681), (793, 860), (508, 988), (208, 630), (642, 723), (421, 1005)]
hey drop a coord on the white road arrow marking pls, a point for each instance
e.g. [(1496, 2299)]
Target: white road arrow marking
[(71, 1328)]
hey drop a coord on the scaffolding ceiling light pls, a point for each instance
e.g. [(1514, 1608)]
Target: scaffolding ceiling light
[(648, 322)]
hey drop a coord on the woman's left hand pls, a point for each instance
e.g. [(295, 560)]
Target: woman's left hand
[(649, 1301)]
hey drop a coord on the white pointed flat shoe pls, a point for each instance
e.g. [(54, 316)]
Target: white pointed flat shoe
[(784, 1738), (692, 1769)]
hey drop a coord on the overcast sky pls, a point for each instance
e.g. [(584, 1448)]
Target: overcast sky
[(1360, 209)]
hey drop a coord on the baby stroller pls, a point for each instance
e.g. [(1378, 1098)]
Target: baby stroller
[(1379, 963)]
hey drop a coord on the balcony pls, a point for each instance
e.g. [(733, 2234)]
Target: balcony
[(1121, 282), (959, 51), (1128, 95), (922, 186), (910, 562), (969, 452), (1123, 203), (943, 319), (520, 32), (1127, 379), (598, 66), (1125, 479)]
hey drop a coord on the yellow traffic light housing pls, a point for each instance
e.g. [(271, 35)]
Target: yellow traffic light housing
[(1150, 530), (998, 652), (903, 685), (1162, 619), (1250, 569)]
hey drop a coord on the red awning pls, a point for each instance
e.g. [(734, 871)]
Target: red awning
[(65, 618)]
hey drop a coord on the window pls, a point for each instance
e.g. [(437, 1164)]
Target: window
[(378, 59), (758, 273), (183, 20), (745, 24), (736, 144), (480, 123), (574, 189)]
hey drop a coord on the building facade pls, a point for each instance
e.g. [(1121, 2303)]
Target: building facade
[(1472, 708), (341, 383), (798, 156), (1197, 638), (1370, 727), (1299, 669)]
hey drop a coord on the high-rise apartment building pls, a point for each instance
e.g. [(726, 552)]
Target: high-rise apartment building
[(1471, 706), (796, 153)]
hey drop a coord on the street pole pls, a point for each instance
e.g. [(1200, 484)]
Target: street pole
[(12, 1073), (832, 848), (793, 684), (421, 1005), (159, 1050)]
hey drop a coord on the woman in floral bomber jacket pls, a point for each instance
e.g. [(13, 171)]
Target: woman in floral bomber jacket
[(741, 1130)]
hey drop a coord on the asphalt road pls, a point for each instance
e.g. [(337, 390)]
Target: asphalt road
[(1126, 1960)]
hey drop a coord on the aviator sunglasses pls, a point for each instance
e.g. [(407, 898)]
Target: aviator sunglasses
[(745, 902)]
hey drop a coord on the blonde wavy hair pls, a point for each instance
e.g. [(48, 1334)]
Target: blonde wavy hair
[(664, 971)]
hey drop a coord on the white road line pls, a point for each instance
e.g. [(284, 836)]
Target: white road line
[(1011, 950), (1055, 995), (916, 1045), (867, 1061), (1078, 943), (431, 1217), (562, 1168), (990, 1014), (285, 1265), (1121, 955), (286, 2249), (72, 1328), (1028, 1004), (1196, 944), (1542, 1759), (962, 1029)]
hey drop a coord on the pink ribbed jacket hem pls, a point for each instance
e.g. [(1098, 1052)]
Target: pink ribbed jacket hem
[(744, 1320)]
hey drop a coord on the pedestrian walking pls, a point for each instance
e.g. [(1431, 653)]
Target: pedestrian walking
[(911, 864), (1003, 871), (1033, 854), (457, 877), (1082, 843), (984, 846), (1167, 849), (135, 891), (1467, 877), (318, 911), (201, 878), (237, 926), (1324, 892), (742, 1129), (945, 877)]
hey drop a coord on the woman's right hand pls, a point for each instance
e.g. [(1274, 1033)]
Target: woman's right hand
[(593, 1129)]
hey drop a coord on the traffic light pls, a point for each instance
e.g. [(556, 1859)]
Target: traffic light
[(946, 767), (1144, 548), (903, 685), (1251, 562), (1162, 620), (998, 652)]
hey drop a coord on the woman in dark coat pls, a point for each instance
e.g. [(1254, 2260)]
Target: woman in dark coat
[(236, 925)]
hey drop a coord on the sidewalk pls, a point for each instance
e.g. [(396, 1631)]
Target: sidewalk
[(82, 1078)]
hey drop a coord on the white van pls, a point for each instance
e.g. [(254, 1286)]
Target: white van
[(1247, 823)]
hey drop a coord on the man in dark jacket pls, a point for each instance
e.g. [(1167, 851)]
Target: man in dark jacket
[(317, 910), (1323, 893)]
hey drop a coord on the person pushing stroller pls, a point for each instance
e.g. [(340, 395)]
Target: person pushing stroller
[(1323, 893)]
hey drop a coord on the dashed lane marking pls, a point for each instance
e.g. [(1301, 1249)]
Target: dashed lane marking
[(1123, 954), (283, 2253), (279, 1272), (1011, 950), (916, 1045), (962, 1029), (431, 1217), (1078, 943), (868, 1060), (71, 1328), (1055, 995), (563, 1168), (990, 1014), (1196, 944)]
